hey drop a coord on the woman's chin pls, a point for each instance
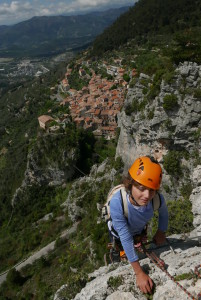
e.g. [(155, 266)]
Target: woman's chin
[(144, 202)]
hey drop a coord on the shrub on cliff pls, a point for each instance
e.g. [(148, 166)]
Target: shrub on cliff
[(172, 163), (180, 217), (170, 102)]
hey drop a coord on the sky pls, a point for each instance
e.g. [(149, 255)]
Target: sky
[(12, 12)]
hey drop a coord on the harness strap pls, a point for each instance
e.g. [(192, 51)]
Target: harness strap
[(124, 202), (156, 201)]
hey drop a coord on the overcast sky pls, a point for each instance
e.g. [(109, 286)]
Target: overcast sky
[(12, 12)]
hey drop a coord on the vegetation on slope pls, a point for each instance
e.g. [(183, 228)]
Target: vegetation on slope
[(19, 111), (151, 19), (82, 251), (48, 36)]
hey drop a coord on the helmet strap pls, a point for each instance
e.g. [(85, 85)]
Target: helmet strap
[(132, 198)]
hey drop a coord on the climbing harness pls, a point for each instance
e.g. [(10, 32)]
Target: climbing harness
[(161, 265)]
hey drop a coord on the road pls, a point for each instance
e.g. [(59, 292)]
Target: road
[(42, 252)]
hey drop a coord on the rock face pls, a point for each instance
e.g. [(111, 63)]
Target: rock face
[(195, 198), (159, 128), (44, 168), (36, 175), (94, 179), (117, 282)]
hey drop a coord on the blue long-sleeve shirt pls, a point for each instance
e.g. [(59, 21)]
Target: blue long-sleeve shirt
[(138, 217)]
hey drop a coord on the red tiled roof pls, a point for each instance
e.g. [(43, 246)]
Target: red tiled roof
[(105, 112), (87, 119)]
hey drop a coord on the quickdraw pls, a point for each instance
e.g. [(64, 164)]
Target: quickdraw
[(161, 265)]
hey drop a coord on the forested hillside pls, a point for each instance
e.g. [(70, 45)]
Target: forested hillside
[(174, 22)]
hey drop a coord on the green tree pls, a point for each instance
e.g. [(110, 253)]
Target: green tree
[(126, 77), (172, 163), (14, 277), (180, 216)]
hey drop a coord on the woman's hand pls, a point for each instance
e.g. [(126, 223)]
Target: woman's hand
[(159, 237), (144, 282)]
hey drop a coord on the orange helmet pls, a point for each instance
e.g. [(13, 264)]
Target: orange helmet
[(146, 172)]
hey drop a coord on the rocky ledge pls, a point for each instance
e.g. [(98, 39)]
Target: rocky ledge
[(117, 281)]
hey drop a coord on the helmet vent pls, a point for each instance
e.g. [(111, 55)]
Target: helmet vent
[(149, 179), (141, 168)]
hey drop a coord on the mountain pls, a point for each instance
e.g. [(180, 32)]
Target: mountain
[(45, 36), (149, 19)]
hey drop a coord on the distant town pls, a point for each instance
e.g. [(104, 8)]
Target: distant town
[(14, 71), (95, 106)]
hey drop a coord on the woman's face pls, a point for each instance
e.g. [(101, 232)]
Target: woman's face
[(142, 194)]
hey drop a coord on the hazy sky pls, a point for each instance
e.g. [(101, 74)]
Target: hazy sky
[(12, 12)]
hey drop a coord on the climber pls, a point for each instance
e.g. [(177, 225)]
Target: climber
[(141, 185)]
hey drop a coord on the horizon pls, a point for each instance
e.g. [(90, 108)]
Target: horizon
[(14, 12)]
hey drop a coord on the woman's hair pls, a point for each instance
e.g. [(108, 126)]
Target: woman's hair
[(128, 181)]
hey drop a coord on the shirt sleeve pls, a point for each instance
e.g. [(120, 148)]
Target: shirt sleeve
[(163, 215), (120, 224)]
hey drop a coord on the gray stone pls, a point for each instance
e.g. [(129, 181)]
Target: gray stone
[(121, 296), (144, 76), (167, 128), (185, 259)]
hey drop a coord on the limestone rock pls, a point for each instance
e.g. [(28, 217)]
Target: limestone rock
[(73, 202), (173, 129), (184, 260), (121, 296)]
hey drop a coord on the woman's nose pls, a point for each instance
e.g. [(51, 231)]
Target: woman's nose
[(147, 193)]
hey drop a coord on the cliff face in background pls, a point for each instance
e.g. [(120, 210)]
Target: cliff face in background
[(174, 129), (48, 165)]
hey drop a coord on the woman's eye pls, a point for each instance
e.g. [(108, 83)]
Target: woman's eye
[(141, 188)]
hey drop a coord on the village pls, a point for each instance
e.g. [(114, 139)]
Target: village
[(94, 107)]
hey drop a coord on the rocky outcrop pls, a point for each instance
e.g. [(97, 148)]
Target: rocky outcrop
[(156, 133), (96, 176), (195, 199), (117, 281), (42, 169), (54, 173)]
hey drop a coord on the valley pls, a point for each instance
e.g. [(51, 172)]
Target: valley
[(16, 71)]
